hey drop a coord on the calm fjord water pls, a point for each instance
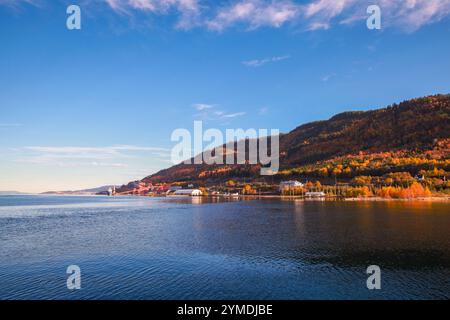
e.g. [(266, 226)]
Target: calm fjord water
[(139, 248)]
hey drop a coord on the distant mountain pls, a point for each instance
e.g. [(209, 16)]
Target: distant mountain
[(82, 192), (11, 193), (415, 125)]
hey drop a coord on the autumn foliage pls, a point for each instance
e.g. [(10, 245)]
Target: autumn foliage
[(387, 152), (416, 190)]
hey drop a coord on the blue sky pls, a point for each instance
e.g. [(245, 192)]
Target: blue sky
[(83, 108)]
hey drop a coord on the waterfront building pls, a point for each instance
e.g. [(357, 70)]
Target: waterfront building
[(315, 194), (290, 185), (188, 192)]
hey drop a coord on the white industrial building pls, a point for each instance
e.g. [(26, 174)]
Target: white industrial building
[(315, 194), (188, 192)]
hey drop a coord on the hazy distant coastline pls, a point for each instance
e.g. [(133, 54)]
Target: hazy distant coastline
[(12, 193), (92, 191)]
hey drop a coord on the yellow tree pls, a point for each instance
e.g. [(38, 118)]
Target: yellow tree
[(248, 189)]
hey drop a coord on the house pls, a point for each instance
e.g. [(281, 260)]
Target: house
[(188, 192), (290, 185)]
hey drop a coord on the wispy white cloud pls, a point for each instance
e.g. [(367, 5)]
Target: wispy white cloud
[(319, 13), (188, 10), (234, 115), (55, 162), (409, 15), (309, 15), (260, 62), (112, 165), (203, 106), (328, 77), (254, 13), (211, 112), (18, 2), (72, 156), (313, 26), (114, 150)]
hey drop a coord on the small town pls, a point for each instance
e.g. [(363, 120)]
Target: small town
[(356, 189)]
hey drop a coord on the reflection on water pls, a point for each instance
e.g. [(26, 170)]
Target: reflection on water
[(196, 248)]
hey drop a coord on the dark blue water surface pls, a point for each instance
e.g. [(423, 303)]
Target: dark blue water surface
[(148, 248)]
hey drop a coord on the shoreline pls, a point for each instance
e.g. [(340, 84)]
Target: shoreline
[(325, 199), (429, 199), (374, 199), (268, 197)]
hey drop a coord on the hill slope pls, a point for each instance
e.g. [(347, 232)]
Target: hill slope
[(410, 125), (415, 125)]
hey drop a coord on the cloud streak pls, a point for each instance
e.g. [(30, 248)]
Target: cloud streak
[(234, 115), (114, 150), (308, 15), (261, 62), (187, 10), (210, 112), (203, 106), (408, 15), (328, 77), (18, 2), (254, 13), (72, 156)]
